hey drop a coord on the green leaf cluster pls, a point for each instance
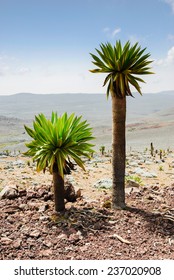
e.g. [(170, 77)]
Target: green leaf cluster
[(122, 65), (58, 139)]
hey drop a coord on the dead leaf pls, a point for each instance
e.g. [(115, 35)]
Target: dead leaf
[(121, 238)]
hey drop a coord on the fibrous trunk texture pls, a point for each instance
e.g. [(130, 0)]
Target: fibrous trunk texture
[(58, 184), (118, 151)]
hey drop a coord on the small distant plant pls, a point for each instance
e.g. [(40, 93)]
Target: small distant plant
[(152, 149), (169, 150), (92, 154), (161, 168), (28, 163), (55, 142), (102, 150), (7, 152)]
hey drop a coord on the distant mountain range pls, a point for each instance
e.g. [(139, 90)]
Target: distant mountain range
[(91, 106), (149, 117)]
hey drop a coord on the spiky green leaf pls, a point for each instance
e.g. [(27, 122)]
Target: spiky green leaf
[(122, 65), (58, 139)]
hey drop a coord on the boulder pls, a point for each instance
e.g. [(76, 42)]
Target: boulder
[(103, 184), (140, 171), (132, 184), (9, 192), (70, 194), (133, 164)]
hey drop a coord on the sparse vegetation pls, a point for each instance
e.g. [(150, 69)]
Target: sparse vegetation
[(28, 162), (102, 150), (161, 168), (152, 149), (135, 178)]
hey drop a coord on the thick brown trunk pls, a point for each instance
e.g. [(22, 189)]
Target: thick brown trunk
[(118, 151), (58, 184)]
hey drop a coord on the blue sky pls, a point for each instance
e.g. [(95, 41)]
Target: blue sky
[(45, 44)]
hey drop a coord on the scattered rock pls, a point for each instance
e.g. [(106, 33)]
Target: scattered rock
[(5, 241), (142, 172), (47, 243), (17, 243), (70, 194), (11, 209), (46, 253), (43, 208), (132, 184), (103, 184), (133, 164), (74, 237), (9, 192), (35, 233), (19, 163), (28, 232), (128, 190), (62, 236)]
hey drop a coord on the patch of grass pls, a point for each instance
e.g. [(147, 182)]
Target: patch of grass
[(161, 168), (135, 178)]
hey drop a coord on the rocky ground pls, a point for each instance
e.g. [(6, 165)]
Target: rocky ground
[(89, 228)]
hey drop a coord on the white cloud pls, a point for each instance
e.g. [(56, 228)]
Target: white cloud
[(171, 3), (170, 55), (22, 70), (106, 29), (163, 78), (58, 77), (11, 66), (111, 33), (133, 39), (116, 31), (171, 37), (168, 60), (4, 66)]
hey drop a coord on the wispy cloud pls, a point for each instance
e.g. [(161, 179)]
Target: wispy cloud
[(12, 66), (22, 70), (133, 39), (106, 29), (116, 31), (4, 66), (171, 3), (168, 60), (170, 55), (111, 33), (171, 37)]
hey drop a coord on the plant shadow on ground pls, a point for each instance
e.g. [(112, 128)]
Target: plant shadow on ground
[(101, 220), (85, 219), (86, 226), (162, 223)]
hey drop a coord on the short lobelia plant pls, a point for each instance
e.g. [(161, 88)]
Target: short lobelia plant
[(55, 143)]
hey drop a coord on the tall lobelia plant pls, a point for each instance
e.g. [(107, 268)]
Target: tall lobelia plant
[(123, 66), (56, 142)]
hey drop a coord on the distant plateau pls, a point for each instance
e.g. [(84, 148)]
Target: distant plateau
[(150, 118)]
